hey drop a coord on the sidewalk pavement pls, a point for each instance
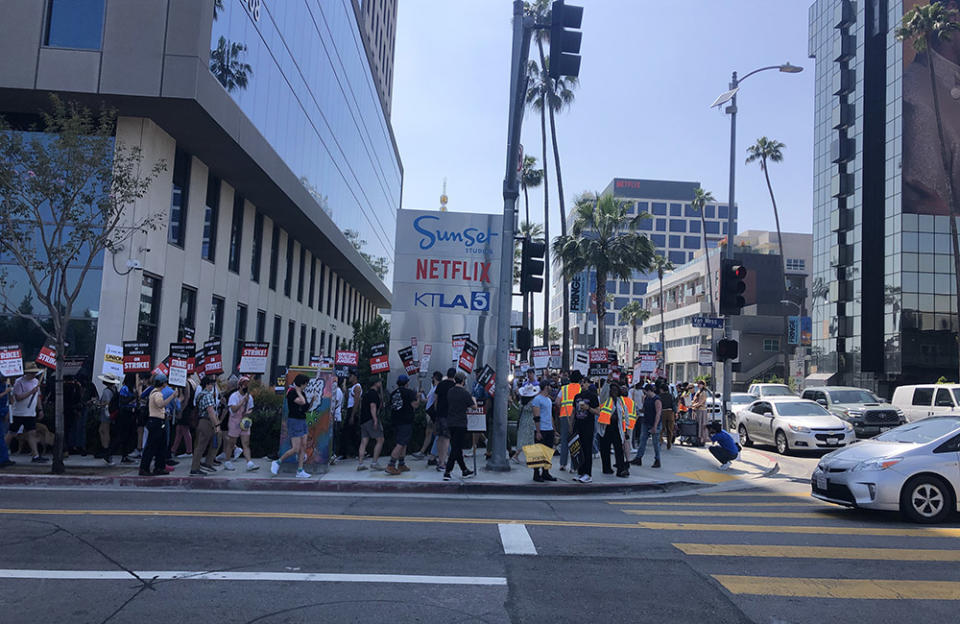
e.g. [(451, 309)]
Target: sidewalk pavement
[(683, 468)]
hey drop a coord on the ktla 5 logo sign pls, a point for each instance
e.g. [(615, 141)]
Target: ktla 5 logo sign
[(474, 240), (474, 301)]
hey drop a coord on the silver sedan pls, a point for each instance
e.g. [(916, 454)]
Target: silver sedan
[(792, 423), (914, 468)]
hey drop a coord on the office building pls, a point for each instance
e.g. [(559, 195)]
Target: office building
[(884, 294), (275, 140), (379, 31), (673, 227)]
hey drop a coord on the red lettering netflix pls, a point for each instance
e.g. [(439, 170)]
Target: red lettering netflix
[(463, 270)]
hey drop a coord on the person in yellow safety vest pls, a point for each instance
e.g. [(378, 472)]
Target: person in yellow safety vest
[(613, 423), (564, 400)]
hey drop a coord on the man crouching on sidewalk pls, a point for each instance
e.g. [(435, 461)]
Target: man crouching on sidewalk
[(724, 448)]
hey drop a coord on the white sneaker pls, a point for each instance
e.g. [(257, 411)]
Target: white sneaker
[(361, 466), (183, 455), (274, 467), (135, 455), (302, 474), (376, 466), (237, 452), (586, 479), (228, 465), (221, 457), (725, 466), (252, 466)]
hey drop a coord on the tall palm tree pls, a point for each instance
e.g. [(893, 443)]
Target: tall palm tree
[(560, 96), (926, 26), (530, 177), (604, 237), (661, 265), (537, 88), (635, 314), (533, 231), (700, 199)]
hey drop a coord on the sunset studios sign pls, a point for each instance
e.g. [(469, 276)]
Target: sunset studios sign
[(445, 276)]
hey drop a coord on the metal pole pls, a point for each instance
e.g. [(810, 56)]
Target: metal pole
[(518, 82), (731, 235)]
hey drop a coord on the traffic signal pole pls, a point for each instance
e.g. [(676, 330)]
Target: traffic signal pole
[(731, 237), (522, 29)]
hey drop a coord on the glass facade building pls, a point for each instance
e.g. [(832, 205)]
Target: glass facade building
[(879, 319)]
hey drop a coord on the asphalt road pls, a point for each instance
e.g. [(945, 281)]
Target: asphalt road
[(768, 555)]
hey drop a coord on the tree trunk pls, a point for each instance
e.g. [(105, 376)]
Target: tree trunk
[(565, 349), (783, 268), (527, 297), (706, 255), (601, 309), (953, 204), (58, 420), (546, 211), (663, 343)]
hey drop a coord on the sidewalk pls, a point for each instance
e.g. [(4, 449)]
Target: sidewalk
[(683, 468)]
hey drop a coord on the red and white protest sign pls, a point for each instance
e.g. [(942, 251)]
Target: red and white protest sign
[(163, 368), (540, 357), (555, 359), (48, 357), (136, 357), (406, 356), (212, 357), (468, 356), (180, 353), (379, 359), (425, 358), (11, 361), (344, 361), (253, 357), (487, 379), (457, 342)]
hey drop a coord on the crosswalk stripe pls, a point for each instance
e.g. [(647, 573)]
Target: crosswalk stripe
[(723, 514), (814, 530), (516, 540), (865, 589), (818, 552), (812, 504)]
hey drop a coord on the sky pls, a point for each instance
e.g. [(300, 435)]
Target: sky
[(649, 73)]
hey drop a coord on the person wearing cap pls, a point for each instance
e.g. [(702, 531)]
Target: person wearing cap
[(586, 408), (109, 404), (240, 407), (26, 398), (403, 401), (153, 450), (542, 408), (208, 420)]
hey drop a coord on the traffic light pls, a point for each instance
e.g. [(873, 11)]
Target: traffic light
[(531, 266), (565, 40), (727, 349), (524, 339), (732, 287)]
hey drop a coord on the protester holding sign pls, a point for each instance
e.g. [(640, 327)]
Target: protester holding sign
[(240, 408), (207, 423), (26, 399), (459, 400), (156, 434), (542, 408)]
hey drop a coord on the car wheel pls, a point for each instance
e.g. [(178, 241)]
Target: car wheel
[(783, 447), (744, 437), (926, 499)]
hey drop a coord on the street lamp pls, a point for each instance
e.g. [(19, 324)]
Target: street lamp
[(731, 97), (793, 303)]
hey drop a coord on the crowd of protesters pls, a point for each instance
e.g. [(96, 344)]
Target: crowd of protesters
[(141, 418)]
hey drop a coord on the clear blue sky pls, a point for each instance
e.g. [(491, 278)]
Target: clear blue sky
[(650, 71)]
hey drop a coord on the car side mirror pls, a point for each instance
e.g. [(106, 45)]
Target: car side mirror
[(822, 402), (768, 414)]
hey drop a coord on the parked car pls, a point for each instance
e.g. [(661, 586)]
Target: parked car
[(913, 469), (738, 401), (925, 400), (861, 408), (764, 390), (792, 423)]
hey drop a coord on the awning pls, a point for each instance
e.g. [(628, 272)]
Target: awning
[(817, 379)]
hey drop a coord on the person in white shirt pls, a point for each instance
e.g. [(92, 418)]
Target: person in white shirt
[(26, 397), (336, 407), (240, 409)]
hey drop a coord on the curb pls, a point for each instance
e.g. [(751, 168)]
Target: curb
[(320, 486)]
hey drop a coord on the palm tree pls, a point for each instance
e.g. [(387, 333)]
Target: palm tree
[(530, 177), (926, 26), (536, 95), (552, 335), (766, 151), (560, 96), (635, 314), (227, 66), (661, 265), (700, 199), (534, 232), (604, 238)]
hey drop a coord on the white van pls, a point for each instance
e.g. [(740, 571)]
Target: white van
[(925, 400)]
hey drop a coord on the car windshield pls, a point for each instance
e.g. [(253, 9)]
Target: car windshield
[(801, 408), (776, 391), (742, 400), (921, 431), (852, 396)]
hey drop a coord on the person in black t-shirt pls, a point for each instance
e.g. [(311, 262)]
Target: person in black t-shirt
[(442, 427), (403, 401), (586, 408), (371, 425)]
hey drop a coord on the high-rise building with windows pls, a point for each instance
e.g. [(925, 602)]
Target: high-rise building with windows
[(674, 228), (280, 161), (884, 293), (379, 19)]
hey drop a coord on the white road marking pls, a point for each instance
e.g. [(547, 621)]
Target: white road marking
[(516, 540), (170, 575)]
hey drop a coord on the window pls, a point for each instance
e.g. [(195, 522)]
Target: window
[(74, 24), (236, 234), (330, 292), (645, 225), (313, 341), (323, 339), (320, 293), (796, 264), (661, 225), (257, 247), (303, 345), (188, 311), (240, 332), (330, 344), (149, 311), (624, 287), (336, 301), (710, 211), (216, 317), (303, 264), (678, 225), (675, 210), (694, 227), (313, 282), (211, 215), (274, 255), (677, 257), (722, 212), (642, 207), (923, 396), (713, 227), (261, 325), (291, 330), (275, 348), (771, 345), (176, 229), (691, 242), (943, 398), (288, 277), (658, 240), (674, 240), (659, 208)]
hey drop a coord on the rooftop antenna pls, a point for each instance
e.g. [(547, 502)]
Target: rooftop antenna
[(443, 197)]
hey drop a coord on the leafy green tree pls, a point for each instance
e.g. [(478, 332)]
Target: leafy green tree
[(927, 27), (64, 199), (661, 265), (379, 264), (530, 177), (635, 314), (603, 238), (365, 335), (552, 336), (227, 65)]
